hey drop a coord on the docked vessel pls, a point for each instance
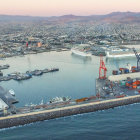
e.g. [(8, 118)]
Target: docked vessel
[(4, 67), (81, 52), (117, 52), (60, 99)]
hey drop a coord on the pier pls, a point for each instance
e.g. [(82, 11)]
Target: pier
[(26, 118), (124, 76), (27, 75)]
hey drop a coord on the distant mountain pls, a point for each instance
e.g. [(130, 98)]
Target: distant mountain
[(122, 17), (115, 17), (124, 14), (118, 17)]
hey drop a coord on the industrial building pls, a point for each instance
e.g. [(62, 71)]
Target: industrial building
[(6, 100)]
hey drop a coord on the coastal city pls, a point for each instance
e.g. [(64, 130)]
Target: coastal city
[(81, 39), (29, 38), (76, 70)]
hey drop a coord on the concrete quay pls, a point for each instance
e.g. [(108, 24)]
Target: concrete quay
[(124, 76), (22, 119)]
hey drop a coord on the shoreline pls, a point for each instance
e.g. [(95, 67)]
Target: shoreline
[(33, 52)]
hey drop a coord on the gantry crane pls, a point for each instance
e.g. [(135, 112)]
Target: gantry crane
[(138, 58)]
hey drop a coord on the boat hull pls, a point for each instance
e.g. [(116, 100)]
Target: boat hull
[(78, 52)]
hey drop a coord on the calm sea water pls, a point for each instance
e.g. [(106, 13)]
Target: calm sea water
[(76, 79)]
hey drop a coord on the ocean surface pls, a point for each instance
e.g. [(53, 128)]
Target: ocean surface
[(75, 79)]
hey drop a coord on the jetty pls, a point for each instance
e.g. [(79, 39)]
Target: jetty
[(124, 76), (27, 75), (26, 118)]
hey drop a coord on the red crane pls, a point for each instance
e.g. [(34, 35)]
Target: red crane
[(102, 75), (26, 44)]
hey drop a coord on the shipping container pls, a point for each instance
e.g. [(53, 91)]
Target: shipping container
[(121, 96), (81, 100)]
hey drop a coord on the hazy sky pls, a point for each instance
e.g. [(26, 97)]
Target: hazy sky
[(63, 7)]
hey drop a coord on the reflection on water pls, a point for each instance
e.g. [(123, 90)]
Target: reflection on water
[(76, 77), (116, 63), (85, 59), (120, 60), (29, 62)]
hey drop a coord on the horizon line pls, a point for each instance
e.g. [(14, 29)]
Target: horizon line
[(68, 14)]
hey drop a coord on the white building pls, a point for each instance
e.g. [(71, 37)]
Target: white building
[(3, 105)]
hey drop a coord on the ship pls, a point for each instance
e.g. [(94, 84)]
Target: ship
[(119, 53), (60, 99), (80, 52)]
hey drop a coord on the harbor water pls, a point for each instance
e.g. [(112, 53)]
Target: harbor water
[(76, 79)]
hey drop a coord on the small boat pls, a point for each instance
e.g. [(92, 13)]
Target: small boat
[(11, 91), (53, 70), (6, 78), (23, 76), (45, 70), (4, 67), (42, 102), (37, 72)]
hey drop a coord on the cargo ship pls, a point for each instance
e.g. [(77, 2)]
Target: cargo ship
[(118, 53), (80, 52)]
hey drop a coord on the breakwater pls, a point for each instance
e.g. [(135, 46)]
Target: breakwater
[(21, 119)]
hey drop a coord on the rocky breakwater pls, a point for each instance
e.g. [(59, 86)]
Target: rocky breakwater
[(21, 119)]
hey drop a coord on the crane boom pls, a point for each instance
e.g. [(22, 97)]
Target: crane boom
[(138, 58), (102, 67)]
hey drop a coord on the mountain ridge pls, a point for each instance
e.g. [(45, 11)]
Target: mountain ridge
[(118, 17)]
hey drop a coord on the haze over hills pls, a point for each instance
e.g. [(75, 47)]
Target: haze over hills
[(117, 17)]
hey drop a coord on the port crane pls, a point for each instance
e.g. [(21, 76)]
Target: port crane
[(138, 58), (102, 67)]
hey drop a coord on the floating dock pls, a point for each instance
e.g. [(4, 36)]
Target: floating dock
[(26, 118)]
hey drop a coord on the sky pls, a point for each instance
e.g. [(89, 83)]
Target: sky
[(65, 7)]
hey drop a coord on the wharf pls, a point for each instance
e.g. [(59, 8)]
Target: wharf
[(26, 118), (107, 89), (124, 76)]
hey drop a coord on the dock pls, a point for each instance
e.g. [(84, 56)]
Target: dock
[(124, 76), (27, 75), (26, 118)]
